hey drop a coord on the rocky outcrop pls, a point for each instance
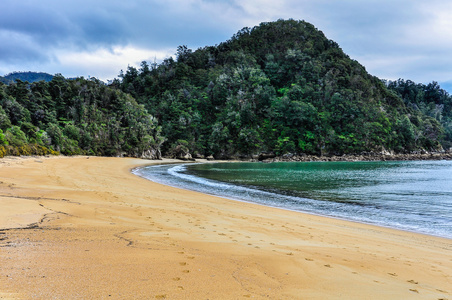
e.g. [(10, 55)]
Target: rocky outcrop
[(151, 154), (364, 157), (265, 156), (183, 154)]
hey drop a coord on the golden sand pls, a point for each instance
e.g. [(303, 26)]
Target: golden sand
[(79, 228)]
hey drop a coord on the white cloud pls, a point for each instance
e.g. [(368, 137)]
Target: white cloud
[(105, 64)]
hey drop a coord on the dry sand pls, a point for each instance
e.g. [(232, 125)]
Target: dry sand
[(78, 228)]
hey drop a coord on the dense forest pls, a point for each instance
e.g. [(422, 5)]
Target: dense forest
[(280, 87), (75, 116)]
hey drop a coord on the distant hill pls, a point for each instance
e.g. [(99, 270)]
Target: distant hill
[(4, 80), (26, 76)]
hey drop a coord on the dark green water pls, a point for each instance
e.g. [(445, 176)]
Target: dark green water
[(331, 181), (414, 195)]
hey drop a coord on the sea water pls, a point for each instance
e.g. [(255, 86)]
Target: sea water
[(414, 195)]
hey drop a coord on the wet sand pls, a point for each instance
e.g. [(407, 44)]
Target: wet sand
[(79, 228)]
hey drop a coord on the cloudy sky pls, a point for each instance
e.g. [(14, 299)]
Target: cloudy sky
[(410, 39)]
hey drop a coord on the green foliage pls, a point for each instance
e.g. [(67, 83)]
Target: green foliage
[(3, 140), (430, 109), (279, 87), (15, 137), (74, 117), (4, 119)]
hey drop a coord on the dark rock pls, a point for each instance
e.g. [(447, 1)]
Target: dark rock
[(265, 156)]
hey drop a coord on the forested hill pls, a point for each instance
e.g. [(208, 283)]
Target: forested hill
[(281, 87)]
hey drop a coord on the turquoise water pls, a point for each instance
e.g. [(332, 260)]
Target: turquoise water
[(415, 195)]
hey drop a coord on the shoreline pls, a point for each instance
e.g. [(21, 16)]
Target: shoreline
[(110, 233), (237, 198)]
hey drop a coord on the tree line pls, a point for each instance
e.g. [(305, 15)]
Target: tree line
[(76, 116)]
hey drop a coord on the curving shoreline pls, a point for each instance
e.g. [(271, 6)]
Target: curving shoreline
[(109, 233), (385, 215)]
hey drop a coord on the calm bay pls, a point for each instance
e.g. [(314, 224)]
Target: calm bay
[(412, 195)]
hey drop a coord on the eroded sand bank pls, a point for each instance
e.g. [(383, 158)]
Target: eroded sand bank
[(91, 229)]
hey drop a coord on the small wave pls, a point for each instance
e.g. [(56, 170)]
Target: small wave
[(382, 215)]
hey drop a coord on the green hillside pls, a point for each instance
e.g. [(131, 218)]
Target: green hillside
[(280, 87)]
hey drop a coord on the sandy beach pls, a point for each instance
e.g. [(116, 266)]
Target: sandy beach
[(87, 228)]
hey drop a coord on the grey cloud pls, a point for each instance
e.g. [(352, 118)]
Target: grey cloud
[(86, 24), (17, 48), (370, 30)]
